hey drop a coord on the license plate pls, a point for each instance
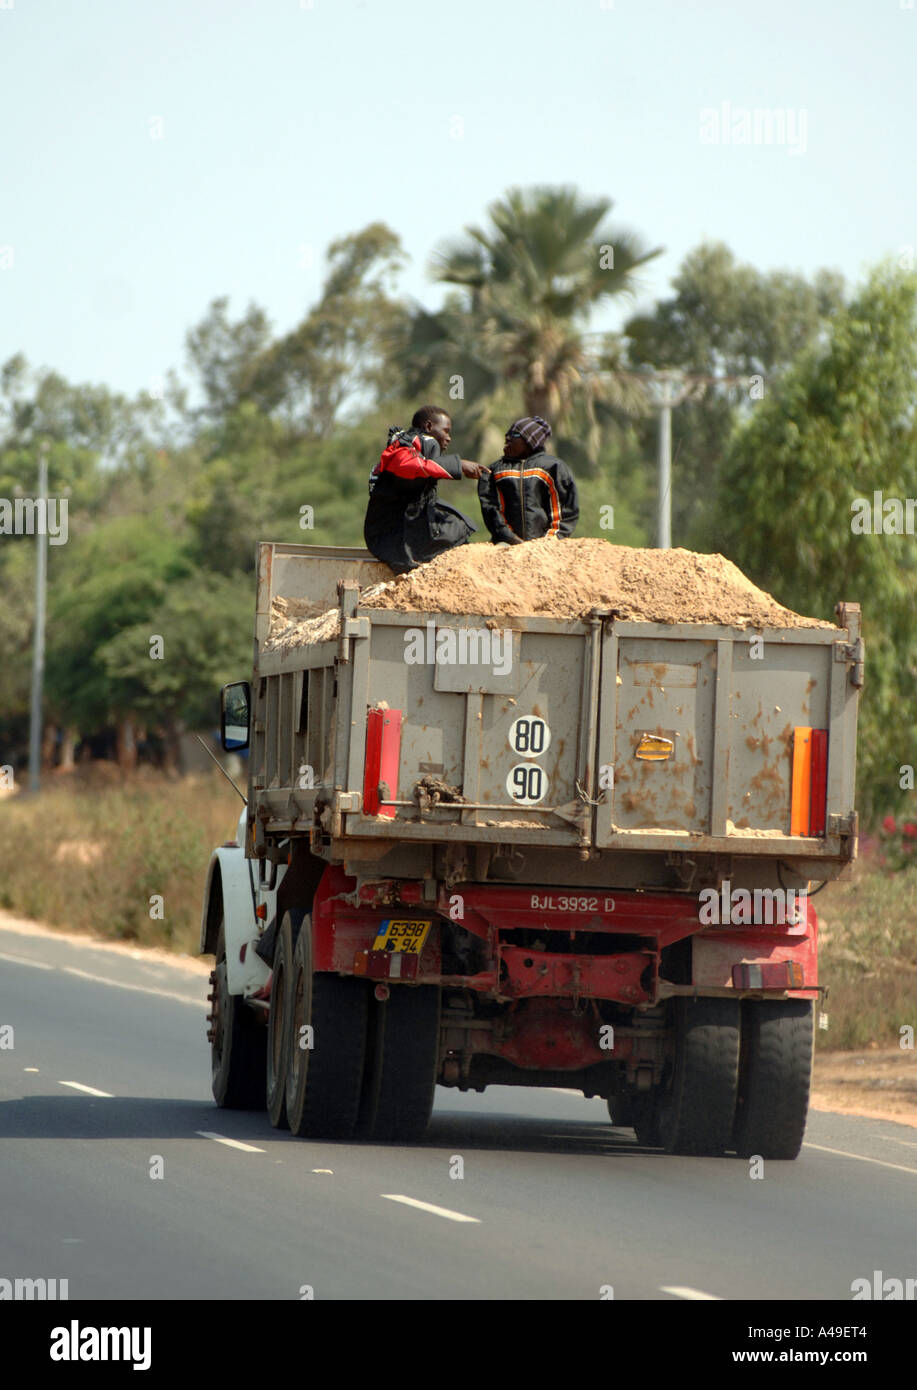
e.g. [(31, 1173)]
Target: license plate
[(398, 934)]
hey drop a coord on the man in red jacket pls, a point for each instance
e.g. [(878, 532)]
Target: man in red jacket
[(406, 525), (528, 493)]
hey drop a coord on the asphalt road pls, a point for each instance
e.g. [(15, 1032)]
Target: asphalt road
[(553, 1203)]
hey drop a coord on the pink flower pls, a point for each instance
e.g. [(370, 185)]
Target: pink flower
[(889, 824), (910, 829)]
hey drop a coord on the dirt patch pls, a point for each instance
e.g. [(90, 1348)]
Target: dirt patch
[(878, 1083), (77, 852), (558, 579)]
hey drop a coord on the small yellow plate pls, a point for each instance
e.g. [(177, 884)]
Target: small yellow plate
[(401, 934)]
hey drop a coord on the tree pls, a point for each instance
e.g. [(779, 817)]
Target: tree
[(729, 318), (17, 617), (340, 352), (112, 578), (726, 318), (203, 627), (226, 357), (840, 425), (530, 283), (89, 420)]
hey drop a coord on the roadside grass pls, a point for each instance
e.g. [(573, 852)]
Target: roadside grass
[(868, 956), (91, 851)]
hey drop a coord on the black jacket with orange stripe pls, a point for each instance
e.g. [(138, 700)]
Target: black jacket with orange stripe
[(528, 498)]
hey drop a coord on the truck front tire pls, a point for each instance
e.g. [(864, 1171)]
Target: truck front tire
[(276, 1069), (238, 1043)]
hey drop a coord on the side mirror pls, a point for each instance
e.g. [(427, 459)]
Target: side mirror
[(235, 715)]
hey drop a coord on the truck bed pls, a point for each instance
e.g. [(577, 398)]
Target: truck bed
[(595, 735)]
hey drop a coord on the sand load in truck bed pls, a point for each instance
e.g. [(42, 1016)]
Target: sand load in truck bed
[(559, 579)]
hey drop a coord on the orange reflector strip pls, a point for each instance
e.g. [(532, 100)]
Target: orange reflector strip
[(361, 963), (809, 782), (261, 911), (802, 781)]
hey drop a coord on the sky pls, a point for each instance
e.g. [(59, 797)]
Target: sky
[(156, 154)]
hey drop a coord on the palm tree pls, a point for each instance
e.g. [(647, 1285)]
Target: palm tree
[(531, 282)]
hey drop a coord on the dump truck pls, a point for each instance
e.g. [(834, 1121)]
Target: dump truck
[(529, 851)]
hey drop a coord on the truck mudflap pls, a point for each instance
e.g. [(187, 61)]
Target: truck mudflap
[(759, 958)]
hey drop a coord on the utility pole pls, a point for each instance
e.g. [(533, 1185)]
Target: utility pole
[(669, 388), (38, 647)]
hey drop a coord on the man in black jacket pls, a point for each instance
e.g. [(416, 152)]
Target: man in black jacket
[(406, 525), (528, 493)]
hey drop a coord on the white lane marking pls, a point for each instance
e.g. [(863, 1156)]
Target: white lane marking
[(30, 1069), (24, 960), (89, 1090), (323, 1170), (682, 1291), (842, 1153), (428, 1206), (138, 989), (230, 1143)]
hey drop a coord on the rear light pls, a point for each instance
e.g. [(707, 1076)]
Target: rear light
[(783, 974), (810, 781), (819, 785), (386, 965), (383, 754)]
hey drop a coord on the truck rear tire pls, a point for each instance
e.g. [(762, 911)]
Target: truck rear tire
[(778, 1040), (620, 1111), (402, 1070), (696, 1115), (645, 1120), (238, 1043), (277, 1028), (324, 1081)]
